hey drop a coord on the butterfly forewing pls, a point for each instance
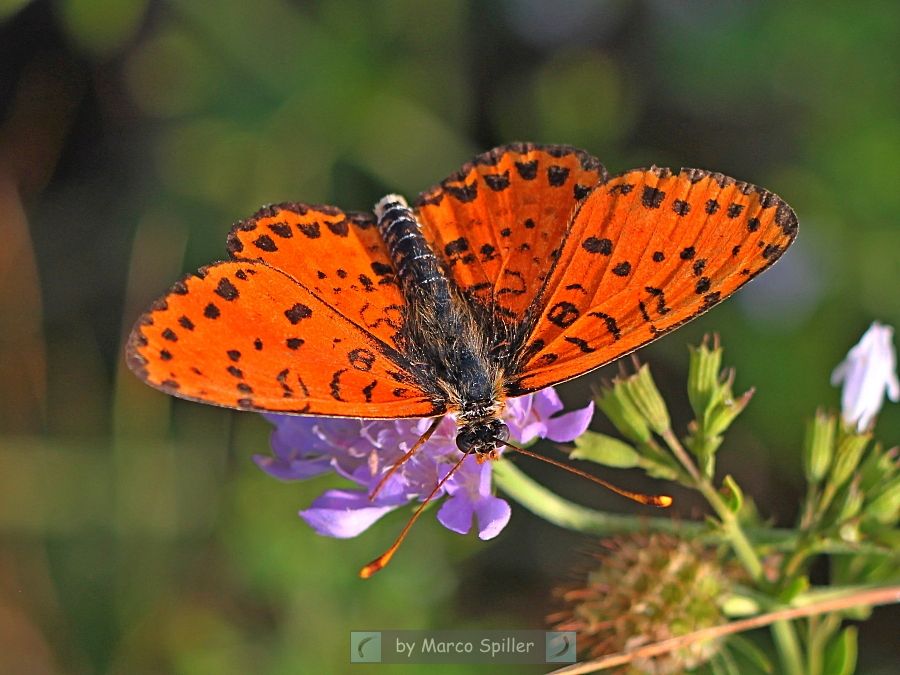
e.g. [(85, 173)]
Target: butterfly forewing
[(646, 252), (498, 222), (245, 335)]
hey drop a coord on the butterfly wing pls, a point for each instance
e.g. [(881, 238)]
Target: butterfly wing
[(338, 256), (246, 335), (646, 252), (498, 222)]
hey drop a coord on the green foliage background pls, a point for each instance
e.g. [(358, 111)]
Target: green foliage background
[(136, 536)]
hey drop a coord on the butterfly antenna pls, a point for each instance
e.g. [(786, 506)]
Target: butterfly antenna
[(661, 501), (382, 560), (400, 462)]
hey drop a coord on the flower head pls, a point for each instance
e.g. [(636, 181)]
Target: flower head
[(868, 373), (647, 588), (363, 450)]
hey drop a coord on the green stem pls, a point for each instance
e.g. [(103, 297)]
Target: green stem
[(563, 513), (783, 632), (788, 647), (553, 508), (733, 531)]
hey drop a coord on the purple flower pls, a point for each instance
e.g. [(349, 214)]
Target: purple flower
[(363, 450)]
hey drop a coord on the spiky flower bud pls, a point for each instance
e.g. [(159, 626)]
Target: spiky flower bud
[(818, 446), (712, 400), (643, 589)]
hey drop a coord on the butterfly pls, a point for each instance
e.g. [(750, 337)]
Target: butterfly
[(527, 267)]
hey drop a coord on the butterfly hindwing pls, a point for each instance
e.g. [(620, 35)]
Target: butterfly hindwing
[(646, 252), (498, 221), (338, 256), (246, 335)]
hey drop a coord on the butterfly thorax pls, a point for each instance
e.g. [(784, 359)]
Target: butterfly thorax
[(441, 335)]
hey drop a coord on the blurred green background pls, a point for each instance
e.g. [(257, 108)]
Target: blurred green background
[(136, 535)]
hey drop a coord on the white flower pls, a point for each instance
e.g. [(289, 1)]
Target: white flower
[(868, 372)]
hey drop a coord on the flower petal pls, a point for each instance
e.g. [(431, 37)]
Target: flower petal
[(546, 402), (456, 514), (493, 514), (343, 513), (571, 425)]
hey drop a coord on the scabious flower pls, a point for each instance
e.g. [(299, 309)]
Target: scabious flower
[(363, 450), (868, 373)]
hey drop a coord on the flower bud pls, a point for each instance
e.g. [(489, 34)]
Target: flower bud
[(704, 387), (850, 448), (818, 446), (605, 450), (884, 508), (851, 503), (642, 390), (618, 406)]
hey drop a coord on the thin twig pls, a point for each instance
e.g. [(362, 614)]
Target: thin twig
[(870, 598)]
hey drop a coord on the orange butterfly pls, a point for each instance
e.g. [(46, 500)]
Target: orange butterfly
[(527, 267)]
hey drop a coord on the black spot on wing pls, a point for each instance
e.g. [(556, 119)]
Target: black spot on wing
[(282, 230), (557, 175), (225, 289), (464, 193), (681, 207), (563, 314), (595, 245), (265, 243), (622, 269), (652, 197), (297, 313), (581, 344), (497, 181), (527, 170)]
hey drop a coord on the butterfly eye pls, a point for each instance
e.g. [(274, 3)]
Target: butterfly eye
[(501, 434), (467, 440)]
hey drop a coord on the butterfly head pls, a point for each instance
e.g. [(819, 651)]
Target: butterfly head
[(483, 437)]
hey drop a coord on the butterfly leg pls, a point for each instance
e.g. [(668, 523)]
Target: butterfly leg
[(385, 557), (409, 453)]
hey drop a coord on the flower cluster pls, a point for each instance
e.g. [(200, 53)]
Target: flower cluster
[(363, 450)]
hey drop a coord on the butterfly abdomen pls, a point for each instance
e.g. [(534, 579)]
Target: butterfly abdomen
[(416, 265), (443, 335)]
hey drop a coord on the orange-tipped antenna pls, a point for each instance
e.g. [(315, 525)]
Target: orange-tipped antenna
[(400, 462), (382, 560), (661, 501)]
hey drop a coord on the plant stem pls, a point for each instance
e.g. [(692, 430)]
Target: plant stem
[(782, 631), (554, 509), (733, 531)]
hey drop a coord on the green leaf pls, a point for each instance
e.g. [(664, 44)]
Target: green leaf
[(606, 450), (840, 654), (751, 653), (794, 588)]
